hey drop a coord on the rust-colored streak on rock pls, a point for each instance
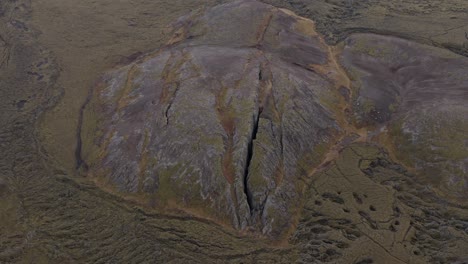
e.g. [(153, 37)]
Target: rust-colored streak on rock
[(124, 96), (263, 28), (226, 119)]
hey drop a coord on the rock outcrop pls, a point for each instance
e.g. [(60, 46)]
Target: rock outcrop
[(418, 94), (246, 101), (229, 118)]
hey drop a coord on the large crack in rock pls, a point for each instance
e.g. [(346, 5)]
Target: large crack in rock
[(223, 124), (246, 101)]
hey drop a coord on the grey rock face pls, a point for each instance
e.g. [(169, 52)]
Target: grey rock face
[(420, 94), (228, 118)]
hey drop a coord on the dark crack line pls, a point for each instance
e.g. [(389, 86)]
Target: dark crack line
[(382, 247), (342, 173), (250, 147), (169, 105), (446, 31), (304, 67), (79, 144)]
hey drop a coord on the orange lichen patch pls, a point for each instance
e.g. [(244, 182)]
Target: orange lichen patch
[(178, 36), (197, 212), (124, 97), (306, 27), (226, 117), (144, 161), (303, 25), (170, 76), (247, 68), (104, 145), (339, 78), (263, 28), (331, 153), (228, 167)]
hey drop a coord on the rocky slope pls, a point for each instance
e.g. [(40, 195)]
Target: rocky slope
[(229, 123), (419, 94), (438, 23), (384, 185)]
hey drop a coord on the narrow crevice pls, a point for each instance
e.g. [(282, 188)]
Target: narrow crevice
[(250, 147), (80, 163), (169, 105), (304, 67)]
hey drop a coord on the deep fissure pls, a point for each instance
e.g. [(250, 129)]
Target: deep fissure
[(249, 157), (80, 163)]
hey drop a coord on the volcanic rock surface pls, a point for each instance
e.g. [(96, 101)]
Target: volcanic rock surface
[(246, 101), (420, 94), (229, 117)]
